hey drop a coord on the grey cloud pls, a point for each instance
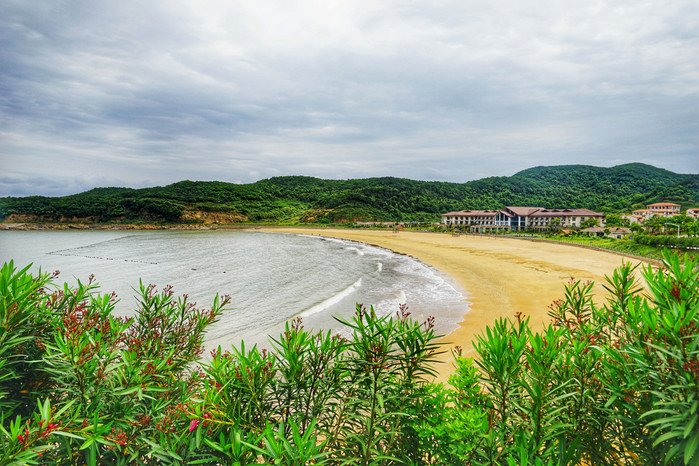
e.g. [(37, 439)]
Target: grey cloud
[(336, 89)]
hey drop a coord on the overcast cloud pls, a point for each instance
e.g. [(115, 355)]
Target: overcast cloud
[(143, 93)]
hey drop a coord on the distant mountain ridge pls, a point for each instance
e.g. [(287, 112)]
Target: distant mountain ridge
[(308, 199)]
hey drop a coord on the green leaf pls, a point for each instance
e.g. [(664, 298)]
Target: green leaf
[(690, 449), (128, 391), (87, 443), (66, 434), (690, 425), (209, 460), (666, 436)]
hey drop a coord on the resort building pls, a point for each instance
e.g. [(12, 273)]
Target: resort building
[(563, 218), (519, 218), (664, 209), (693, 213), (492, 219), (642, 214), (659, 209)]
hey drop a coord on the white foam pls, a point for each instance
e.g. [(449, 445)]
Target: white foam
[(309, 236), (361, 248), (332, 300), (391, 305), (336, 240), (359, 253), (423, 288)]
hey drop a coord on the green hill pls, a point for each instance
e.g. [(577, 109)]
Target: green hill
[(307, 199)]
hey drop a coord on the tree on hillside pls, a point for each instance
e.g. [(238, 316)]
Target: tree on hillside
[(682, 220), (636, 227), (613, 220), (655, 224), (693, 228)]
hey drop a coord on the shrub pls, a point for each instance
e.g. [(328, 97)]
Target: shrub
[(616, 383), (683, 242), (77, 382), (606, 384)]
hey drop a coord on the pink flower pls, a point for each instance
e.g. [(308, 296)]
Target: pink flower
[(193, 425)]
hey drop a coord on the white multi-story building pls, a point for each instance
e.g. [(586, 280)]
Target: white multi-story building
[(519, 218), (633, 218), (659, 209), (664, 209)]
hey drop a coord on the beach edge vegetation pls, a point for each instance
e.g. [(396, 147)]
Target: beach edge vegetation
[(610, 383)]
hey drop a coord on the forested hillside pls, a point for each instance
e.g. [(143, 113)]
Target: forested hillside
[(307, 199)]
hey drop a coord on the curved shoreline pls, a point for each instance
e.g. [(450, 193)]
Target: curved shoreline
[(499, 276)]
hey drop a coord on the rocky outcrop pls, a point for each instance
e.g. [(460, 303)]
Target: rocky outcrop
[(209, 218), (190, 219)]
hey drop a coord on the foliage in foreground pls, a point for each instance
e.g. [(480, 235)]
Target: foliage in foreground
[(685, 242), (610, 384)]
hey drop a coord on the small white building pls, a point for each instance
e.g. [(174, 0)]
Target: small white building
[(693, 213), (633, 218)]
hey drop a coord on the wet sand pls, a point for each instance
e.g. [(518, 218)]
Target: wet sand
[(499, 276)]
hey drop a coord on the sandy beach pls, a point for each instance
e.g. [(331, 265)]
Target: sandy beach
[(499, 276)]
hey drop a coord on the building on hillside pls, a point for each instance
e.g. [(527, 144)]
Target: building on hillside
[(659, 209), (632, 218), (693, 213), (664, 209), (519, 218), (643, 214)]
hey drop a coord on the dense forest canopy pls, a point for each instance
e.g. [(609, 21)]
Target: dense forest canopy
[(308, 199)]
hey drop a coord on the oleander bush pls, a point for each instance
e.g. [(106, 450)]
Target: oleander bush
[(611, 383)]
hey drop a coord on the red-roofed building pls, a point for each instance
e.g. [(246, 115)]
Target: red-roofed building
[(519, 218), (475, 220), (633, 218), (664, 209), (566, 218), (659, 209), (643, 214)]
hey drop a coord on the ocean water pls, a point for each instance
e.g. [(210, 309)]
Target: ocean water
[(271, 277)]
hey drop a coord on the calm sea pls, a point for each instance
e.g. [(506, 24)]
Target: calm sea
[(271, 277)]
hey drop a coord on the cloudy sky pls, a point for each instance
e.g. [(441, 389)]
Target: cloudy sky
[(142, 93)]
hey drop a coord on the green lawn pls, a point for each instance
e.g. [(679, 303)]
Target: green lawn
[(628, 246)]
